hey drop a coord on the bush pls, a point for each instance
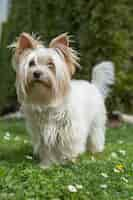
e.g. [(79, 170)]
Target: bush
[(102, 30)]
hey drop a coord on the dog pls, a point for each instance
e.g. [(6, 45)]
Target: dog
[(64, 117)]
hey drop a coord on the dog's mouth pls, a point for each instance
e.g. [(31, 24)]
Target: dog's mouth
[(46, 84)]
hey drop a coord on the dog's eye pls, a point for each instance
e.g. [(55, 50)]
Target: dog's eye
[(31, 63), (50, 65)]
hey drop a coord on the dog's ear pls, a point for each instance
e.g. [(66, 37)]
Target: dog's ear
[(61, 40), (62, 43), (25, 41)]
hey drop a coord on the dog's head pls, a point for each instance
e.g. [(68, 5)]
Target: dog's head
[(43, 74)]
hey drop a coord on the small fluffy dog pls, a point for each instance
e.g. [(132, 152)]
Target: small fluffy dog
[(65, 117)]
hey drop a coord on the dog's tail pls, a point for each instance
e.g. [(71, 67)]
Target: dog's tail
[(103, 77)]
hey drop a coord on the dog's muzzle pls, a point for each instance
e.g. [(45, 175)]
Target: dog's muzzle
[(37, 75)]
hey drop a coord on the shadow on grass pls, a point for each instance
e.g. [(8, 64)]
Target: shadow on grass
[(16, 127), (15, 154), (10, 150)]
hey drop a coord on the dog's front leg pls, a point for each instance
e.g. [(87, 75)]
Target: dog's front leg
[(36, 142), (47, 157)]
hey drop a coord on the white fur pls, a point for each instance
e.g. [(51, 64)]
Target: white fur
[(73, 127), (103, 76)]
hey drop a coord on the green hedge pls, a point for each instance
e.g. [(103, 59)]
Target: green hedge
[(102, 30)]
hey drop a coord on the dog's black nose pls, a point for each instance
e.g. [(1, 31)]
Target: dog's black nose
[(37, 74)]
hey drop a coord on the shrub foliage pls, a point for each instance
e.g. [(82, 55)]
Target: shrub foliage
[(102, 30)]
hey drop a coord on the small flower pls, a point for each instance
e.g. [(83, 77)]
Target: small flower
[(103, 186), (120, 142), (28, 157), (120, 167), (116, 170), (114, 155), (26, 141), (73, 160), (72, 188), (124, 179), (122, 152), (17, 138), (79, 186), (6, 138), (104, 175), (93, 158), (7, 134)]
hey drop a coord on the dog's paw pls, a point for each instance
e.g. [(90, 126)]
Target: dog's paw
[(96, 149), (44, 166), (74, 160)]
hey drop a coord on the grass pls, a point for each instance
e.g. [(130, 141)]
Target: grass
[(105, 176)]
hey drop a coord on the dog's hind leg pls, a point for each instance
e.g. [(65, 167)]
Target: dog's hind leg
[(96, 138)]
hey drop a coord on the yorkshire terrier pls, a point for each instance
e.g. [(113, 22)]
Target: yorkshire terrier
[(64, 117)]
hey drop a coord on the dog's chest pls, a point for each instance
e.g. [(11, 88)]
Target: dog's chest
[(54, 126)]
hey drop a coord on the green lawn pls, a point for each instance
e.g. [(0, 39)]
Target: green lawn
[(105, 176)]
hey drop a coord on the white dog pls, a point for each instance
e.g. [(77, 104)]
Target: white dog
[(65, 117)]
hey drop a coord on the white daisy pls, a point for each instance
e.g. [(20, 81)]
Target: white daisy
[(6, 138), (7, 134), (93, 158), (114, 155), (79, 186), (17, 138), (104, 175), (26, 141), (124, 179), (28, 157), (103, 186), (122, 152), (72, 188), (116, 170), (120, 142)]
